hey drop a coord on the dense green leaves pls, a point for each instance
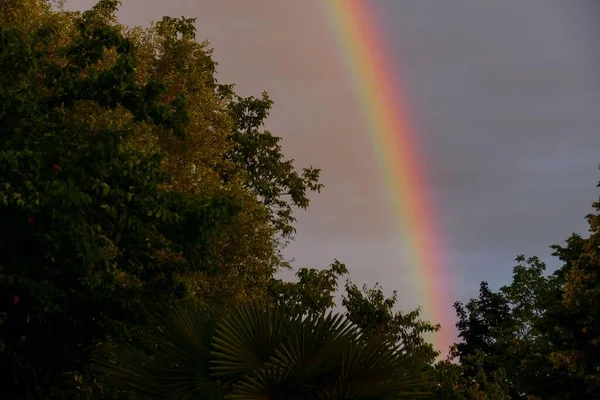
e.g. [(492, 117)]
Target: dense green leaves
[(313, 292), (537, 338), (575, 316), (82, 217), (271, 178), (101, 155), (375, 315), (468, 380)]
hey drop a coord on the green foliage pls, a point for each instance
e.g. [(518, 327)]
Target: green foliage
[(271, 178), (374, 314), (83, 217), (468, 380), (508, 328), (574, 317), (313, 292), (542, 333), (369, 310), (125, 181), (260, 351)]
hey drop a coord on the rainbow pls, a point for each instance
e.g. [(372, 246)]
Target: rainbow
[(396, 150)]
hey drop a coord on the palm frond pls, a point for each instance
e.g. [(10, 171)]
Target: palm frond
[(314, 350), (259, 351), (177, 368), (247, 337), (374, 369), (126, 369)]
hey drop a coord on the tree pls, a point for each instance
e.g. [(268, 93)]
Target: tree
[(485, 325), (246, 253), (467, 380), (313, 292), (225, 151), (508, 328), (112, 192), (260, 351), (531, 296), (374, 313), (88, 229), (574, 319), (271, 177), (369, 309), (540, 331)]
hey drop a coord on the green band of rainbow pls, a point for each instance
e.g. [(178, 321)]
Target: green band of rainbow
[(397, 154)]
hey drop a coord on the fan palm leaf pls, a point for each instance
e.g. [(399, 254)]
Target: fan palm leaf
[(305, 357), (177, 368), (259, 351), (247, 337)]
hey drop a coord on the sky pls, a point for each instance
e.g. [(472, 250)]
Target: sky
[(504, 98)]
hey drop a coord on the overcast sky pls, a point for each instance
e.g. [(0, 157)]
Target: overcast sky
[(505, 98)]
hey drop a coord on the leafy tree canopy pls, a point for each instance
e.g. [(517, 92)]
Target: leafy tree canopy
[(541, 332), (122, 184)]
